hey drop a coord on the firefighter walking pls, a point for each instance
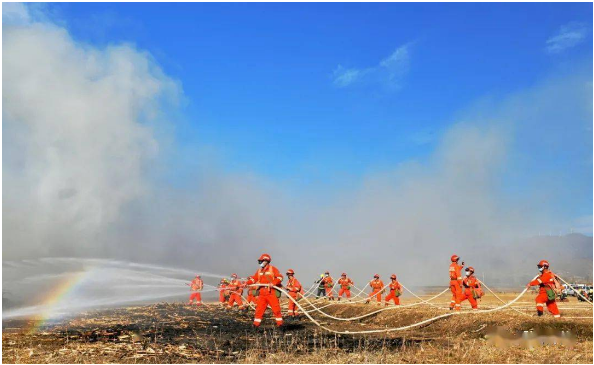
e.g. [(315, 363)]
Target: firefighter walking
[(268, 276), (456, 282), (472, 288), (196, 287), (345, 284), (377, 287), (395, 291), (547, 284), (295, 290)]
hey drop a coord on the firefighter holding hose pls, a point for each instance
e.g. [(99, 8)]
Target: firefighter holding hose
[(345, 284), (548, 285), (235, 292), (377, 288), (196, 287), (395, 291), (456, 282), (295, 290), (472, 288), (267, 276)]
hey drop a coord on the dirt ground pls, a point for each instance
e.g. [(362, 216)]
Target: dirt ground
[(177, 333)]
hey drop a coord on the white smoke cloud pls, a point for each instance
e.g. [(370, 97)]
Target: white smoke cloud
[(78, 134)]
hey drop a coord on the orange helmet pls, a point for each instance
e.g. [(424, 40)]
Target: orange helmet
[(376, 276), (543, 263), (455, 258), (470, 268), (393, 277), (265, 257), (234, 276), (290, 272), (343, 274)]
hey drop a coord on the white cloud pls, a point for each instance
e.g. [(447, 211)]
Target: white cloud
[(15, 13), (568, 36), (388, 71)]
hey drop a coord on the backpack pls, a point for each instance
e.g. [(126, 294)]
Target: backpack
[(557, 286)]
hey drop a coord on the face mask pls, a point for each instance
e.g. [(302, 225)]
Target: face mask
[(468, 273), (263, 264), (541, 268)]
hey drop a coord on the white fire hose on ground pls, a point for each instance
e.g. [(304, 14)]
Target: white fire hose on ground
[(402, 328)]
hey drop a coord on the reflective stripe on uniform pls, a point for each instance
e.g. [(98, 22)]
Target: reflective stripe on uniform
[(540, 304), (257, 320), (538, 279)]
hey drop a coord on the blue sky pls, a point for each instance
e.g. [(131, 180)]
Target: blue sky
[(325, 94)]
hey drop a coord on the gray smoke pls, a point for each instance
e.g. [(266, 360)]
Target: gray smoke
[(88, 133)]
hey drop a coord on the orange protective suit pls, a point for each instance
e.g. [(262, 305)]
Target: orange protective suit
[(251, 298), (295, 289), (223, 291), (267, 296), (395, 291), (328, 285), (345, 287), (376, 290), (196, 286), (472, 290), (235, 291), (456, 285), (545, 281)]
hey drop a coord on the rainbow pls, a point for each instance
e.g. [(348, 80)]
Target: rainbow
[(54, 297)]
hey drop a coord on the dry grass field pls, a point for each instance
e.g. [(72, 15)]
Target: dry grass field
[(176, 333)]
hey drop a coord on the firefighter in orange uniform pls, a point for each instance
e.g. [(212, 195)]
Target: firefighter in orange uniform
[(196, 286), (472, 288), (377, 287), (223, 291), (252, 294), (295, 290), (268, 276), (235, 291), (395, 291), (546, 294), (456, 282), (328, 285), (345, 286)]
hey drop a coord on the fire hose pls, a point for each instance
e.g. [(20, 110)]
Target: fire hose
[(402, 328)]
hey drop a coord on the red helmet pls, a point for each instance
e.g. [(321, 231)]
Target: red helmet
[(265, 257), (290, 272), (376, 276), (343, 274), (542, 263), (234, 276), (470, 268), (393, 277), (455, 258), (197, 276)]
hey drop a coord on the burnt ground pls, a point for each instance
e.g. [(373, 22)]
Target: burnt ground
[(177, 333)]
